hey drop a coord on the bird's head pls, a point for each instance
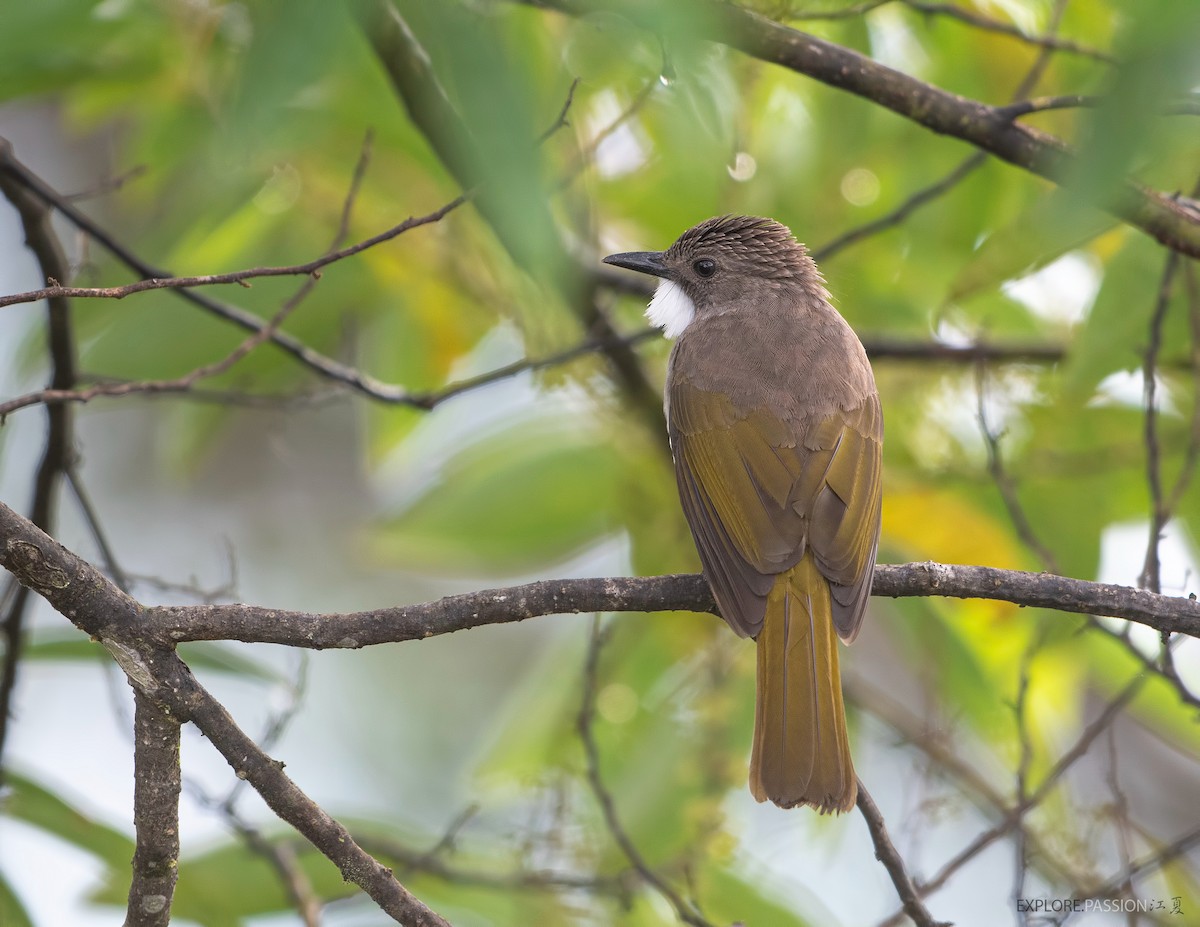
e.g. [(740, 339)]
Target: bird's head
[(720, 265)]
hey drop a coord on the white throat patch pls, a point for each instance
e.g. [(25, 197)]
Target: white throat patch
[(671, 309)]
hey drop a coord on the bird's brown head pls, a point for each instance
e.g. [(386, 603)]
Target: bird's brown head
[(725, 262)]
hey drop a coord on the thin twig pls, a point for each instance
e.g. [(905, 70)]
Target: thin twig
[(327, 367), (684, 910), (1145, 866), (1020, 713), (939, 188), (1049, 42), (1191, 455), (886, 853), (1164, 671), (92, 520), (945, 754), (1150, 578), (1120, 815), (307, 269), (877, 349), (898, 215), (1002, 480), (281, 855), (58, 451), (1018, 811), (1188, 105), (108, 185), (1171, 220), (185, 383)]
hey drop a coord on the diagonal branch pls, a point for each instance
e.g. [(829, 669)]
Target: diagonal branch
[(171, 682), (23, 543), (1174, 222), (886, 853), (95, 605), (685, 911), (321, 364), (1012, 820)]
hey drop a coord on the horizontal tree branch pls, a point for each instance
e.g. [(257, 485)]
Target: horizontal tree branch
[(310, 269), (72, 586), (681, 592), (877, 349)]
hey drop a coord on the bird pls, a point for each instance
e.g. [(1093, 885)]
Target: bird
[(776, 434)]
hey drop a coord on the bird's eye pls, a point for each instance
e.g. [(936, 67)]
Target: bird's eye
[(704, 267)]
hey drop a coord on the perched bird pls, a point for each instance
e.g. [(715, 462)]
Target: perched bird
[(777, 437)]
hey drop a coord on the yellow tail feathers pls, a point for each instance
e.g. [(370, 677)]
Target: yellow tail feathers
[(801, 752)]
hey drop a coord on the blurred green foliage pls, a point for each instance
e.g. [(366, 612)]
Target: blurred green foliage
[(249, 117)]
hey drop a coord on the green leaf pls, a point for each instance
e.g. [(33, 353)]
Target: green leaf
[(519, 499), (38, 806), (208, 655), (229, 883), (731, 898), (1054, 226), (12, 912), (1158, 58)]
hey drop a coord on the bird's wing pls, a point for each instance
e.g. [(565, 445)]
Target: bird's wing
[(758, 493)]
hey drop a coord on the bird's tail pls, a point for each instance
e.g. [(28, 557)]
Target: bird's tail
[(801, 751)]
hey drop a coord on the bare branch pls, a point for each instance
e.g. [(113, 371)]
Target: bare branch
[(1185, 106), (47, 250), (1015, 815), (877, 348), (1004, 483), (171, 682), (280, 854), (251, 623), (1145, 866), (156, 784), (1048, 42), (135, 634), (886, 853), (1172, 221), (25, 548), (78, 591), (309, 268), (898, 215), (186, 382), (943, 750), (1158, 514), (686, 912)]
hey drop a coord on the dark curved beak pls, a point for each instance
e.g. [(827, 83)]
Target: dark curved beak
[(644, 262)]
